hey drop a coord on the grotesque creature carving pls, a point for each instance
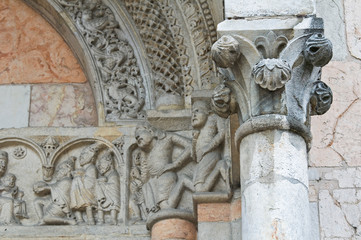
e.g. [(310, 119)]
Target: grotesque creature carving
[(226, 51), (321, 98), (54, 207), (318, 50)]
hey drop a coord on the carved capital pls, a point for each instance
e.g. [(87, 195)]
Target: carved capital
[(273, 70)]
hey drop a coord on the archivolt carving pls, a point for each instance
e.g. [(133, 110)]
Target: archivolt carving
[(121, 80), (199, 17)]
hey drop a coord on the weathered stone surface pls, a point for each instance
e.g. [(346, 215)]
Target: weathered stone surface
[(31, 51), (347, 178), (281, 154), (14, 105), (174, 229), (251, 8), (332, 13), (315, 225), (353, 26), (333, 222), (214, 212), (62, 105), (337, 134), (214, 230)]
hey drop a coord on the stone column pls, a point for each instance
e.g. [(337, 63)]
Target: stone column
[(174, 229), (272, 67)]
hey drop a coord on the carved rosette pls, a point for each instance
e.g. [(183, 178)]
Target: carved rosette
[(272, 73)]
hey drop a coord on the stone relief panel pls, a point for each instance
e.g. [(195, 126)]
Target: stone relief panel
[(169, 171), (122, 85), (75, 183)]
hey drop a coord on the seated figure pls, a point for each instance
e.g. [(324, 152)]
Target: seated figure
[(55, 208)]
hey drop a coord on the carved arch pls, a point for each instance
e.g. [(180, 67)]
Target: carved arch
[(60, 19), (128, 77)]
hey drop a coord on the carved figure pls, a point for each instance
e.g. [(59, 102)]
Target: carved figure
[(158, 150), (318, 50), (137, 201), (55, 207), (3, 162), (12, 205), (82, 193), (107, 189), (208, 141)]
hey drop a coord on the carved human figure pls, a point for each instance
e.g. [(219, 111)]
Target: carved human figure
[(107, 189), (11, 202), (209, 137), (54, 208), (136, 201), (10, 197), (82, 193), (158, 150)]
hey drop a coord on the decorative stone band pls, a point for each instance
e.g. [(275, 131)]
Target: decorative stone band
[(170, 214), (272, 122)]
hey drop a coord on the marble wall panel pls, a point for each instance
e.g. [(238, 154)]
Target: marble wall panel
[(62, 106), (31, 51)]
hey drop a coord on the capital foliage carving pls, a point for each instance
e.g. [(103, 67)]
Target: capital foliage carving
[(274, 76)]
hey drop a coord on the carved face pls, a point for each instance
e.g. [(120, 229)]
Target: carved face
[(103, 166), (134, 173), (48, 171), (3, 164), (9, 181), (144, 138), (199, 117)]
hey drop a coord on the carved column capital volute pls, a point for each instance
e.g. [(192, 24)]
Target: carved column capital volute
[(272, 68)]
